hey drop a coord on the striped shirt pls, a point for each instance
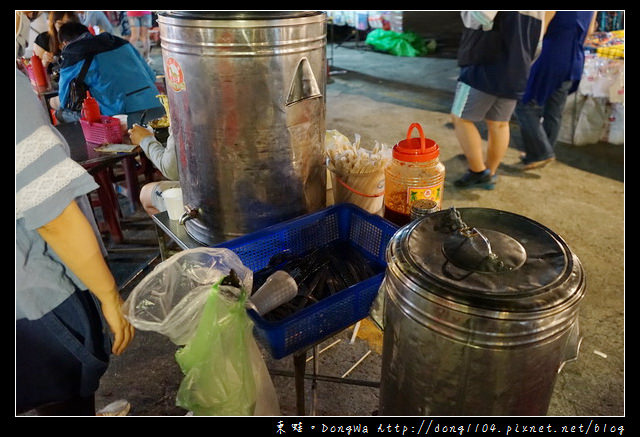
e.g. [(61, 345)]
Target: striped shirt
[(46, 181)]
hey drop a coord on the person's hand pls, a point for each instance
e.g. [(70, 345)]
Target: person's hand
[(72, 238), (54, 102), (47, 58), (122, 330), (137, 133)]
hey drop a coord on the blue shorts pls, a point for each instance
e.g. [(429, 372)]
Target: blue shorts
[(141, 21)]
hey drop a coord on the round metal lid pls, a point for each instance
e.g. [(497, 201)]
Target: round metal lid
[(486, 258), (239, 15)]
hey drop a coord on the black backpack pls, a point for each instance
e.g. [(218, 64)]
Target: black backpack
[(481, 47), (78, 89)]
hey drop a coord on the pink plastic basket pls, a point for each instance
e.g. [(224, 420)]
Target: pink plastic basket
[(105, 131)]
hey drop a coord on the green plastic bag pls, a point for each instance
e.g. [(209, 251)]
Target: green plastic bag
[(400, 44), (225, 374)]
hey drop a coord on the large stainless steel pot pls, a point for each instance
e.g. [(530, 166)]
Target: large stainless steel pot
[(481, 312), (246, 94)]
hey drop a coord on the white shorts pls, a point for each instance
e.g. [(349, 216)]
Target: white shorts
[(158, 189)]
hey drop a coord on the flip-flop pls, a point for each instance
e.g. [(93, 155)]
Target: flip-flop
[(536, 164), (121, 407)]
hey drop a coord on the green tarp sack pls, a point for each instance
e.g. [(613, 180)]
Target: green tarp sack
[(225, 374), (399, 44)]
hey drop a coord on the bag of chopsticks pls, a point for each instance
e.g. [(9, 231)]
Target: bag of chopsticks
[(357, 172)]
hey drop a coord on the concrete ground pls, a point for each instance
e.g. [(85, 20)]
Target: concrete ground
[(580, 197)]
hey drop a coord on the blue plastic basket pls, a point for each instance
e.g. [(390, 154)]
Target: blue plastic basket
[(344, 222)]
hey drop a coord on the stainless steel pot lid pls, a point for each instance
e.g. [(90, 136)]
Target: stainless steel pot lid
[(239, 15), (486, 258)]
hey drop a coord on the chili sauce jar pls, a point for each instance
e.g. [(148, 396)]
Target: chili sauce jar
[(415, 173)]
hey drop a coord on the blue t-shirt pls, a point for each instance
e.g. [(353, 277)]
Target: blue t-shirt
[(562, 56)]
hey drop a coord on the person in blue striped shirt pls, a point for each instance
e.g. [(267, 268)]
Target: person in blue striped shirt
[(66, 297)]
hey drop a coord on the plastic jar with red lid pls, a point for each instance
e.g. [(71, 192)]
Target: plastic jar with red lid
[(415, 173)]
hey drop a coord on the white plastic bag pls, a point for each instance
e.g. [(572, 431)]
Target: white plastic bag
[(616, 124), (170, 299), (183, 298), (591, 123)]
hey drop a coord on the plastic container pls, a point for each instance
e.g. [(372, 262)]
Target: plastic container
[(107, 130), (415, 173), (279, 288), (366, 232), (90, 109), (173, 201)]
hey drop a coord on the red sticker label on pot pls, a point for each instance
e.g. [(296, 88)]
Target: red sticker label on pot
[(175, 77)]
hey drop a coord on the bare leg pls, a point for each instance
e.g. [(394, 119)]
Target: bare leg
[(145, 198), (135, 35), (146, 45), (470, 141), (498, 142)]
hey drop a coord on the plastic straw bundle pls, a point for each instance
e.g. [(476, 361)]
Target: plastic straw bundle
[(357, 172)]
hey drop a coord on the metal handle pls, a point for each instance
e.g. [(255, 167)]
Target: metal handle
[(303, 84), (478, 241), (469, 249)]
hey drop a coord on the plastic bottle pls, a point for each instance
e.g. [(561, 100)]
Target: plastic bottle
[(415, 173), (39, 75), (90, 109)]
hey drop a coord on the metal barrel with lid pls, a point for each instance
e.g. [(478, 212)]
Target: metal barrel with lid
[(480, 313), (246, 91)]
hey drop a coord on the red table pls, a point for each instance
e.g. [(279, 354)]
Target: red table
[(100, 166)]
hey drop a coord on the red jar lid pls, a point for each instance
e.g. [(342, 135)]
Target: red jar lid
[(416, 149)]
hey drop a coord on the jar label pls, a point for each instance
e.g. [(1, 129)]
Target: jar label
[(433, 192)]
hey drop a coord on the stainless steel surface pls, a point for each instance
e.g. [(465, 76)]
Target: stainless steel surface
[(247, 102), (477, 342), (174, 230)]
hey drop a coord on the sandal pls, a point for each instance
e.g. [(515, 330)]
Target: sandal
[(120, 407)]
